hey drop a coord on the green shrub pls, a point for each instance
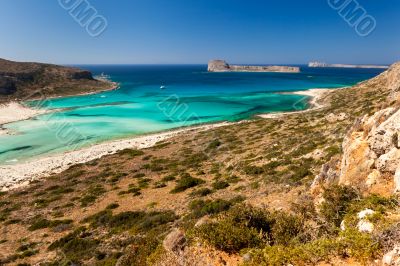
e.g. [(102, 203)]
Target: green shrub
[(201, 192), (220, 185), (214, 144), (131, 153), (228, 237), (92, 194), (336, 204), (112, 206), (141, 221), (186, 182), (285, 228), (270, 228), (168, 178), (41, 223), (144, 183), (76, 246), (354, 244), (139, 175), (200, 208)]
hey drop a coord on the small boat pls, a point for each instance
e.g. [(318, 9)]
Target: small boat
[(163, 87), (103, 76)]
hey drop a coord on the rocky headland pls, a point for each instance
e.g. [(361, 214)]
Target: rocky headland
[(20, 81), (223, 66)]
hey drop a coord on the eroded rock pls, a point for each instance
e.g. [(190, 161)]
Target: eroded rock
[(175, 241), (392, 258)]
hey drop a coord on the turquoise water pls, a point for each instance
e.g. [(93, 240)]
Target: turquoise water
[(191, 96)]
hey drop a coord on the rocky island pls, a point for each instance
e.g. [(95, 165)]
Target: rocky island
[(322, 64), (22, 81), (223, 66)]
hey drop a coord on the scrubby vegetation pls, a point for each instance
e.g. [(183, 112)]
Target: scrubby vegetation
[(186, 182), (119, 209), (279, 238)]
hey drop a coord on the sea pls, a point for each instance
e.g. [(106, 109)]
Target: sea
[(155, 98)]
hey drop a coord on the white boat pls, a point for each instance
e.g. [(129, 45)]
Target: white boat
[(163, 87), (103, 76)]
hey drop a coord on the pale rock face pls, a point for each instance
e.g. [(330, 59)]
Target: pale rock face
[(331, 118), (371, 123), (392, 258), (371, 148), (389, 162), (397, 180), (373, 178), (357, 160), (365, 213), (202, 221), (385, 136), (343, 226), (175, 241), (364, 225)]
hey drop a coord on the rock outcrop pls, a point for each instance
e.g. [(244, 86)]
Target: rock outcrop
[(222, 66), (22, 80), (371, 149)]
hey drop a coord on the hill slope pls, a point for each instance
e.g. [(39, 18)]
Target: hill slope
[(30, 80), (243, 193)]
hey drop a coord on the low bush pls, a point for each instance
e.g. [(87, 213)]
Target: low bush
[(199, 208), (354, 244), (248, 227), (76, 246), (41, 223), (186, 182), (337, 202), (229, 237), (141, 221), (201, 192), (131, 153), (218, 185), (91, 195)]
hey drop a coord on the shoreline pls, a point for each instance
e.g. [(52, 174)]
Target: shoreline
[(314, 102), (21, 174), (14, 111)]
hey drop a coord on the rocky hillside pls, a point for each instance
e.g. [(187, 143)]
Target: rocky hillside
[(307, 188), (30, 80), (371, 154)]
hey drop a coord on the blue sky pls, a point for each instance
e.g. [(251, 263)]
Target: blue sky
[(194, 31)]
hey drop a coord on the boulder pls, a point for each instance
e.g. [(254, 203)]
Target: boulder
[(392, 258), (332, 118), (388, 162), (364, 225), (175, 241), (373, 178)]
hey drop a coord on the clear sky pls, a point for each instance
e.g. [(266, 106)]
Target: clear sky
[(194, 31)]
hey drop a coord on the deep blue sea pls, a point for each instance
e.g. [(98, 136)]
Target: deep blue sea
[(156, 98)]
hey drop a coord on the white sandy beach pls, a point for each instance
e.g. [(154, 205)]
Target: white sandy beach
[(315, 95), (13, 112), (21, 174)]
